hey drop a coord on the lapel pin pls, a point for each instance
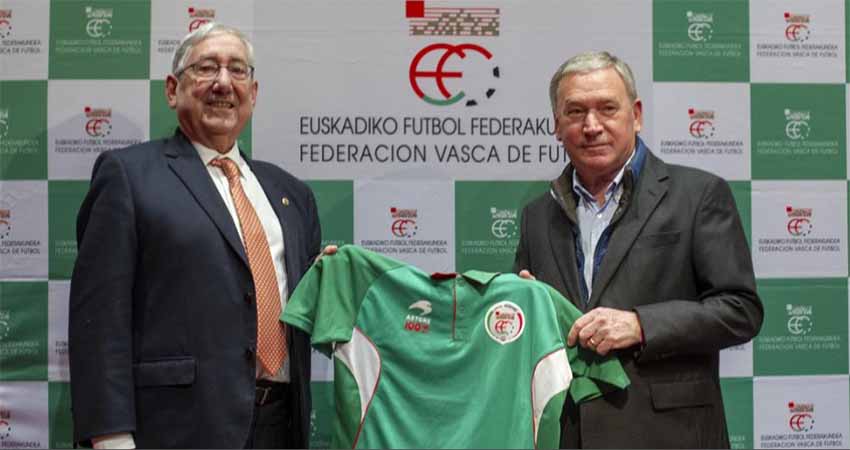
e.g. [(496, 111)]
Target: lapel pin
[(285, 201)]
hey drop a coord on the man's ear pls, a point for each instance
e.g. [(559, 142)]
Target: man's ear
[(171, 91), (637, 109)]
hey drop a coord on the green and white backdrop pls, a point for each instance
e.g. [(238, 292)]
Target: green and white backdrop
[(423, 127)]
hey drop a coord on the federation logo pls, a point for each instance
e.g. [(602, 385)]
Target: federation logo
[(437, 55), (5, 323), (801, 416), (799, 221), (5, 424), (5, 23), (99, 23), (504, 322), (701, 123), (797, 124), (797, 29), (4, 123), (5, 223), (700, 26), (99, 122), (200, 16), (437, 21), (416, 319), (799, 319), (404, 222), (504, 223)]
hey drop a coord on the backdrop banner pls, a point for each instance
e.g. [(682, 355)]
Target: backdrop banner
[(424, 126)]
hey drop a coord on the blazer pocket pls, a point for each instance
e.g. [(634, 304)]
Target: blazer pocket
[(681, 394), (165, 372), (658, 239)]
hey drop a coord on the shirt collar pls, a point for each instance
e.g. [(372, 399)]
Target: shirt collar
[(480, 277), (580, 190), (207, 154)]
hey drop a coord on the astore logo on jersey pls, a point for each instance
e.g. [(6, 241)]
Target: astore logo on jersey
[(504, 322), (416, 319)]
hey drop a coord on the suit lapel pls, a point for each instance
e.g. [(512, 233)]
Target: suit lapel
[(561, 237), (563, 248), (283, 205), (650, 189), (187, 165)]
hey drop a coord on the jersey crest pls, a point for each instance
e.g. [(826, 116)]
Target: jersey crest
[(504, 322)]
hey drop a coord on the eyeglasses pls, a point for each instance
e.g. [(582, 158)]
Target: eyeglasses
[(208, 70)]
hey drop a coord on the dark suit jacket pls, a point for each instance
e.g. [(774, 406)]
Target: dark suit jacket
[(162, 317), (679, 258)]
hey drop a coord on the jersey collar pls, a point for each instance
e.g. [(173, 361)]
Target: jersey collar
[(475, 276)]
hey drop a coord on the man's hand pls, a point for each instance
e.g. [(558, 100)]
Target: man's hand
[(526, 275), (605, 329), (328, 250)]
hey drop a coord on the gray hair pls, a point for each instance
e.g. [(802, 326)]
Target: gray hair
[(588, 62), (178, 63)]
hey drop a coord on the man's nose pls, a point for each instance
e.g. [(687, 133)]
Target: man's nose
[(223, 81), (591, 123)]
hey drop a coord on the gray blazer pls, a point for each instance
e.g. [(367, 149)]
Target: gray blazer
[(679, 258)]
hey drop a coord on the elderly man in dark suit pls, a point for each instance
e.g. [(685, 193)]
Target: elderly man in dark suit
[(655, 256), (188, 250)]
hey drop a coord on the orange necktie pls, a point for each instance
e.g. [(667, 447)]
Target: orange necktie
[(271, 333)]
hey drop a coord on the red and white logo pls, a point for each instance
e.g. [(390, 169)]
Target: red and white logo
[(797, 29), (417, 320), (436, 57), (504, 322), (404, 222), (799, 221), (801, 416), (5, 223), (701, 123), (99, 123), (200, 16), (5, 424), (5, 23)]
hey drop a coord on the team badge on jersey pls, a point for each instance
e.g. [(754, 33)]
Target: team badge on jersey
[(504, 322)]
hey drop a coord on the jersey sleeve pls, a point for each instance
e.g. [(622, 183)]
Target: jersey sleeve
[(593, 374), (326, 302)]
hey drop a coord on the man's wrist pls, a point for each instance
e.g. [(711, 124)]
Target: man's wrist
[(114, 440)]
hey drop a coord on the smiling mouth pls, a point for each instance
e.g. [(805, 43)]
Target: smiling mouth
[(221, 105)]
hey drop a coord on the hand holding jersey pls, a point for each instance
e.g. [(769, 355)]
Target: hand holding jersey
[(602, 329)]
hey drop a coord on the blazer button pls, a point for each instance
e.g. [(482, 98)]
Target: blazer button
[(250, 351), (249, 298)]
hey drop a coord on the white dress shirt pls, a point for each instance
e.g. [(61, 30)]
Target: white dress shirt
[(271, 224)]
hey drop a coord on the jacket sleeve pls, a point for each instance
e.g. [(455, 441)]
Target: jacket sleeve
[(100, 311), (522, 258), (728, 311)]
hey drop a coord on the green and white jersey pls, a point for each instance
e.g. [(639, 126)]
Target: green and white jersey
[(473, 360)]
